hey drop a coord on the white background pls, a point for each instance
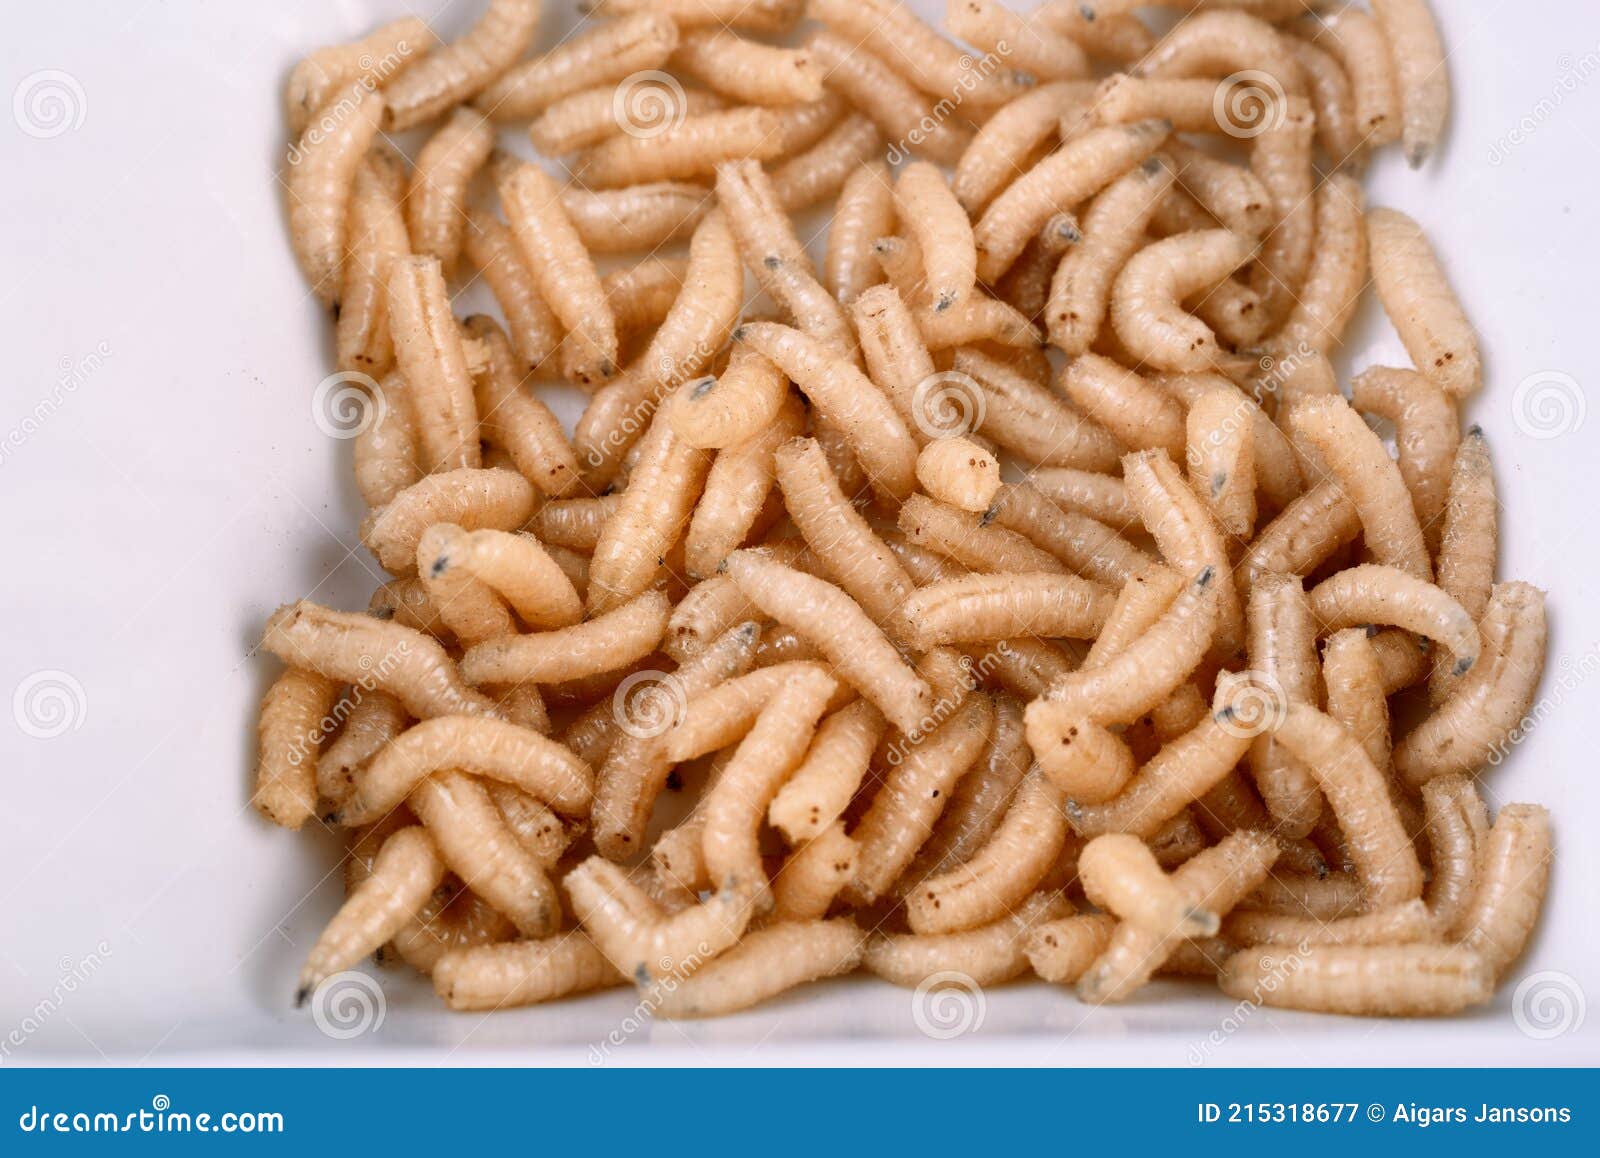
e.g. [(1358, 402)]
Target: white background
[(163, 487)]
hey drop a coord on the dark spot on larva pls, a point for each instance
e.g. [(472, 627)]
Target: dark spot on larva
[(739, 334), (641, 975), (1219, 481), (1463, 665), (1206, 575), (1086, 12), (772, 261), (989, 516), (440, 566), (336, 311), (384, 612), (703, 387), (935, 795), (1474, 431), (1370, 628), (300, 996), (674, 781)]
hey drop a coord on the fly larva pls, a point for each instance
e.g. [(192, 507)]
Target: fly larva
[(1142, 599), (1358, 795), (1214, 881), (1026, 285), (501, 500), (1192, 105), (914, 792), (768, 753), (1332, 100), (835, 623), (654, 512), (960, 473), (359, 649), (376, 718), (989, 607), (1418, 299), (1101, 497), (940, 69), (977, 320), (542, 834), (603, 644), (768, 16), (1183, 771), (716, 604), (692, 147), (1302, 536), (321, 173), (574, 524), (1355, 692), (1280, 157), (604, 55), (407, 602), (1357, 459), (1374, 594), (404, 875), (1420, 77), (1032, 422), (294, 721), (1141, 416), (636, 934), (1338, 271), (878, 92), (804, 886), (970, 540), (864, 212), (1512, 878), (1147, 297), (596, 114), (933, 216), (764, 964), (518, 973), (1025, 44), (492, 250), (1231, 193), (469, 607), (1234, 312), (848, 398), (1361, 980), (775, 255), (841, 539), (1355, 40), (1003, 873), (1007, 141), (1083, 543), (1186, 534), (1134, 681), (1221, 457), (1072, 174), (1119, 874), (720, 715), (990, 955), (645, 217), (429, 354), (1061, 951), (376, 237), (436, 207), (1280, 638), (1458, 832), (459, 70), (543, 768), (1221, 43), (384, 457), (372, 60), (563, 271), (738, 501), (1113, 229), (829, 774), (474, 841), (1470, 727), (1105, 31), (455, 918), (514, 420), (1402, 924), (746, 70), (820, 171), (1469, 540)]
